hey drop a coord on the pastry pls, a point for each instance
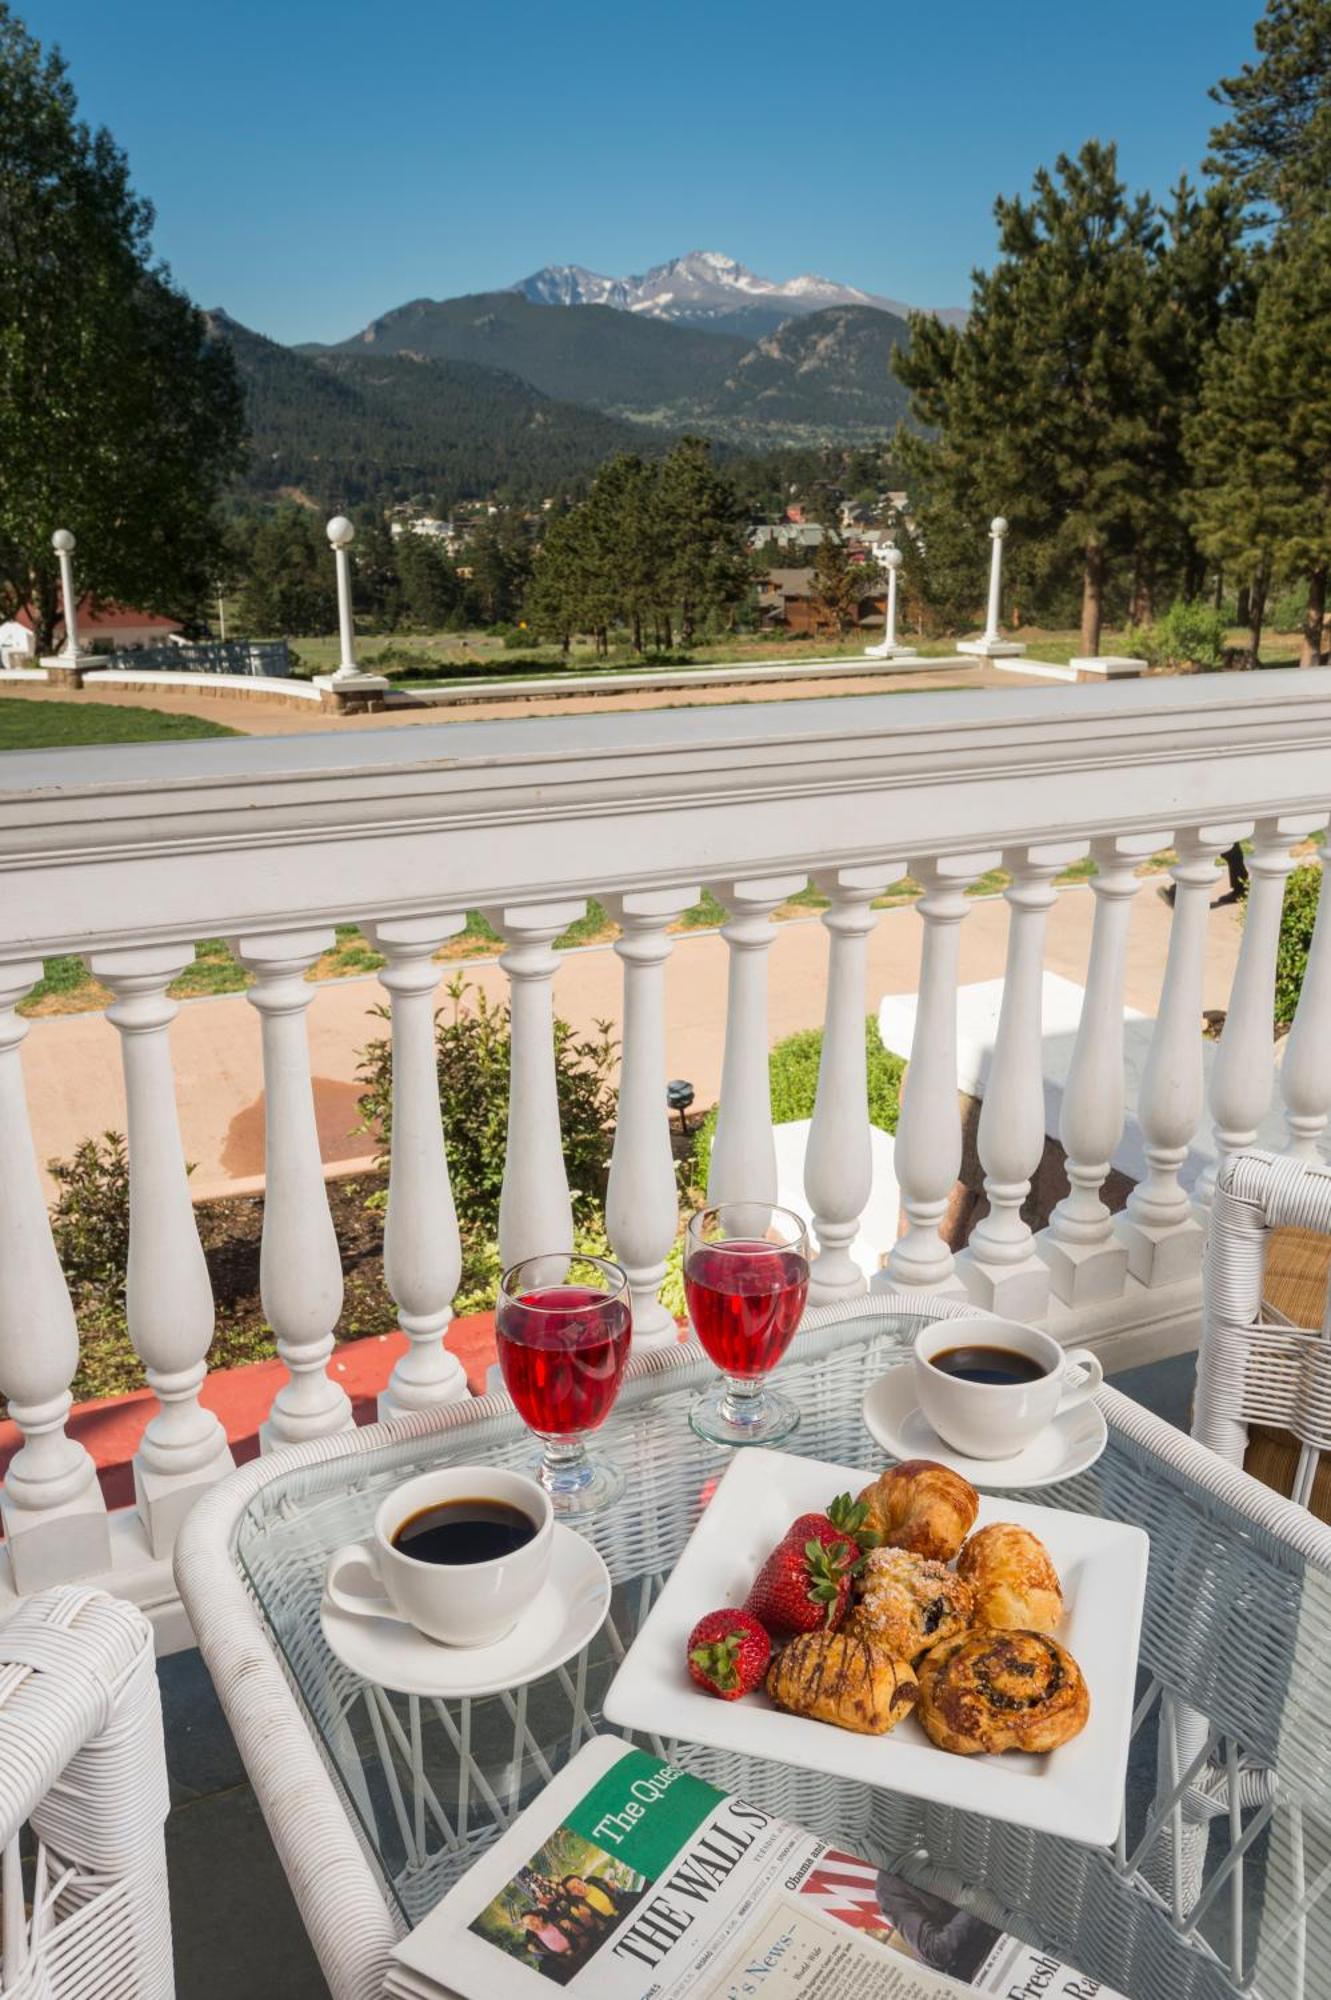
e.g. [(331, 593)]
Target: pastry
[(923, 1507), (908, 1603), (1015, 1584), (841, 1678), (991, 1691)]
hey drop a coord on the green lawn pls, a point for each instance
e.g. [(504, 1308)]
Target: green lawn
[(46, 725)]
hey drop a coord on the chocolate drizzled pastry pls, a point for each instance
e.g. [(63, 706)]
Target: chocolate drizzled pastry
[(844, 1679)]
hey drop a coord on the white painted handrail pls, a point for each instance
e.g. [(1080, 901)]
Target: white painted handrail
[(743, 1162), (169, 1299), (1000, 1268), (838, 1161), (54, 1515), (121, 856), (928, 1149), (642, 1200), (422, 1248), (535, 1210), (300, 1266)]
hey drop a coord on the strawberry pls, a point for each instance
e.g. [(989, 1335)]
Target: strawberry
[(728, 1653), (843, 1522), (803, 1586)]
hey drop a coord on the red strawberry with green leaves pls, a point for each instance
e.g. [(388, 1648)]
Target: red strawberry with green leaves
[(728, 1653), (844, 1521), (804, 1586)]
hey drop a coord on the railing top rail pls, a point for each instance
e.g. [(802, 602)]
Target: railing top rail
[(136, 843)]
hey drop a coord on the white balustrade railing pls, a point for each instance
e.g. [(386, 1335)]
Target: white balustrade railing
[(124, 857)]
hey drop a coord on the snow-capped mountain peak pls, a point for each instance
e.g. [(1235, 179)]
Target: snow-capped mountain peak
[(703, 287)]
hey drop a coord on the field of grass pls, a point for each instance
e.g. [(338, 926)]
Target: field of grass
[(50, 725)]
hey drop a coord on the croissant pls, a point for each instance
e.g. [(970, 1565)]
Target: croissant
[(840, 1678), (924, 1507), (992, 1691), (908, 1603), (1015, 1584)]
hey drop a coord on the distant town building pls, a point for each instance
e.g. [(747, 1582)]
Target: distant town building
[(116, 626), (792, 536), (787, 603)]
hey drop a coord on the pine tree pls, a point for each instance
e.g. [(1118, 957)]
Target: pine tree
[(701, 528), (1275, 146), (119, 418), (1046, 402), (838, 583), (1261, 439)]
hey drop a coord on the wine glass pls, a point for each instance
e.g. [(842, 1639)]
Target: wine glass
[(563, 1325), (746, 1277)]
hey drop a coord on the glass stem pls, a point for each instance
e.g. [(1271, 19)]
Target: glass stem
[(564, 1464), (743, 1399)]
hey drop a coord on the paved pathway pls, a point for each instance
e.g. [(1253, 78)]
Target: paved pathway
[(73, 1067)]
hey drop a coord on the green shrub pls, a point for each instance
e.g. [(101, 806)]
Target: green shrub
[(90, 1223), (1297, 918), (472, 1048), (1191, 634), (792, 1070)]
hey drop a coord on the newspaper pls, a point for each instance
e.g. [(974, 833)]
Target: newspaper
[(630, 1880)]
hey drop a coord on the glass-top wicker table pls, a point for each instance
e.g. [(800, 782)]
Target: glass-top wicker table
[(378, 1802)]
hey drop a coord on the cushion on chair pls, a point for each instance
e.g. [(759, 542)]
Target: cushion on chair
[(1298, 1265)]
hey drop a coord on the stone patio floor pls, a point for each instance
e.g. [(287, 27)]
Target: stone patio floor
[(237, 1929)]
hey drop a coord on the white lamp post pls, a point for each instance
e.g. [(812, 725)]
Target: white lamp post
[(63, 544), (993, 646), (889, 559), (348, 688), (67, 667)]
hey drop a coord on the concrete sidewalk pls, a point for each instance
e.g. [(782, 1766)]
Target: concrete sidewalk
[(72, 1062)]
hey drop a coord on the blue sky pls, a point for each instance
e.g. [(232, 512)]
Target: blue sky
[(315, 164)]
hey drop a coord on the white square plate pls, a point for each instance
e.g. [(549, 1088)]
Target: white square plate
[(1075, 1792)]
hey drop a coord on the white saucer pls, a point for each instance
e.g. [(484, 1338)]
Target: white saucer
[(558, 1623), (893, 1417)]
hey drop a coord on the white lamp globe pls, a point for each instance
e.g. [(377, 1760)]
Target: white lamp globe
[(62, 542), (340, 532), (998, 526)]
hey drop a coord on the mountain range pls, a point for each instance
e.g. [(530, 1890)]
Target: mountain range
[(708, 289), (526, 390)]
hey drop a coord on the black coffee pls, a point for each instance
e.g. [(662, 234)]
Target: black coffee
[(464, 1531), (1000, 1367)]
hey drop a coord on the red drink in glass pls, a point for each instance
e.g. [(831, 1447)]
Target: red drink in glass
[(745, 1301), (562, 1351)]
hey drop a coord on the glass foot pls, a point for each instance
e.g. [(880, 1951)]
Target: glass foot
[(580, 1485), (743, 1413)]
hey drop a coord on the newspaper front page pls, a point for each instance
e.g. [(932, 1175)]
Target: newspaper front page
[(631, 1880)]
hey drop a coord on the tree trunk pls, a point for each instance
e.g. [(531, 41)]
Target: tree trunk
[(1314, 617), (1219, 598), (637, 632), (1143, 590), (1243, 605), (1092, 599), (1257, 612), (669, 635)]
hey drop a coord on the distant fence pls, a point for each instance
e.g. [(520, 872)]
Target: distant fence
[(268, 658)]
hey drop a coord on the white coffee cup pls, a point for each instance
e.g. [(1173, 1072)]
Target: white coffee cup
[(456, 1604), (999, 1419)]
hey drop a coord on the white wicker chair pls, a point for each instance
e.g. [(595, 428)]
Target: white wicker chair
[(83, 1803)]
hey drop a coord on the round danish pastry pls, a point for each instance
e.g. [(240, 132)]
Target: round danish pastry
[(922, 1506), (991, 1691), (909, 1603), (1015, 1584)]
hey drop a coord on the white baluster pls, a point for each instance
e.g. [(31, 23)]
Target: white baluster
[(927, 1155), (838, 1160), (422, 1248), (642, 1200), (300, 1267), (1305, 1072), (1086, 1259), (535, 1213), (1243, 1073), (52, 1507), (1162, 1236), (169, 1299), (743, 1161), (1000, 1267)]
